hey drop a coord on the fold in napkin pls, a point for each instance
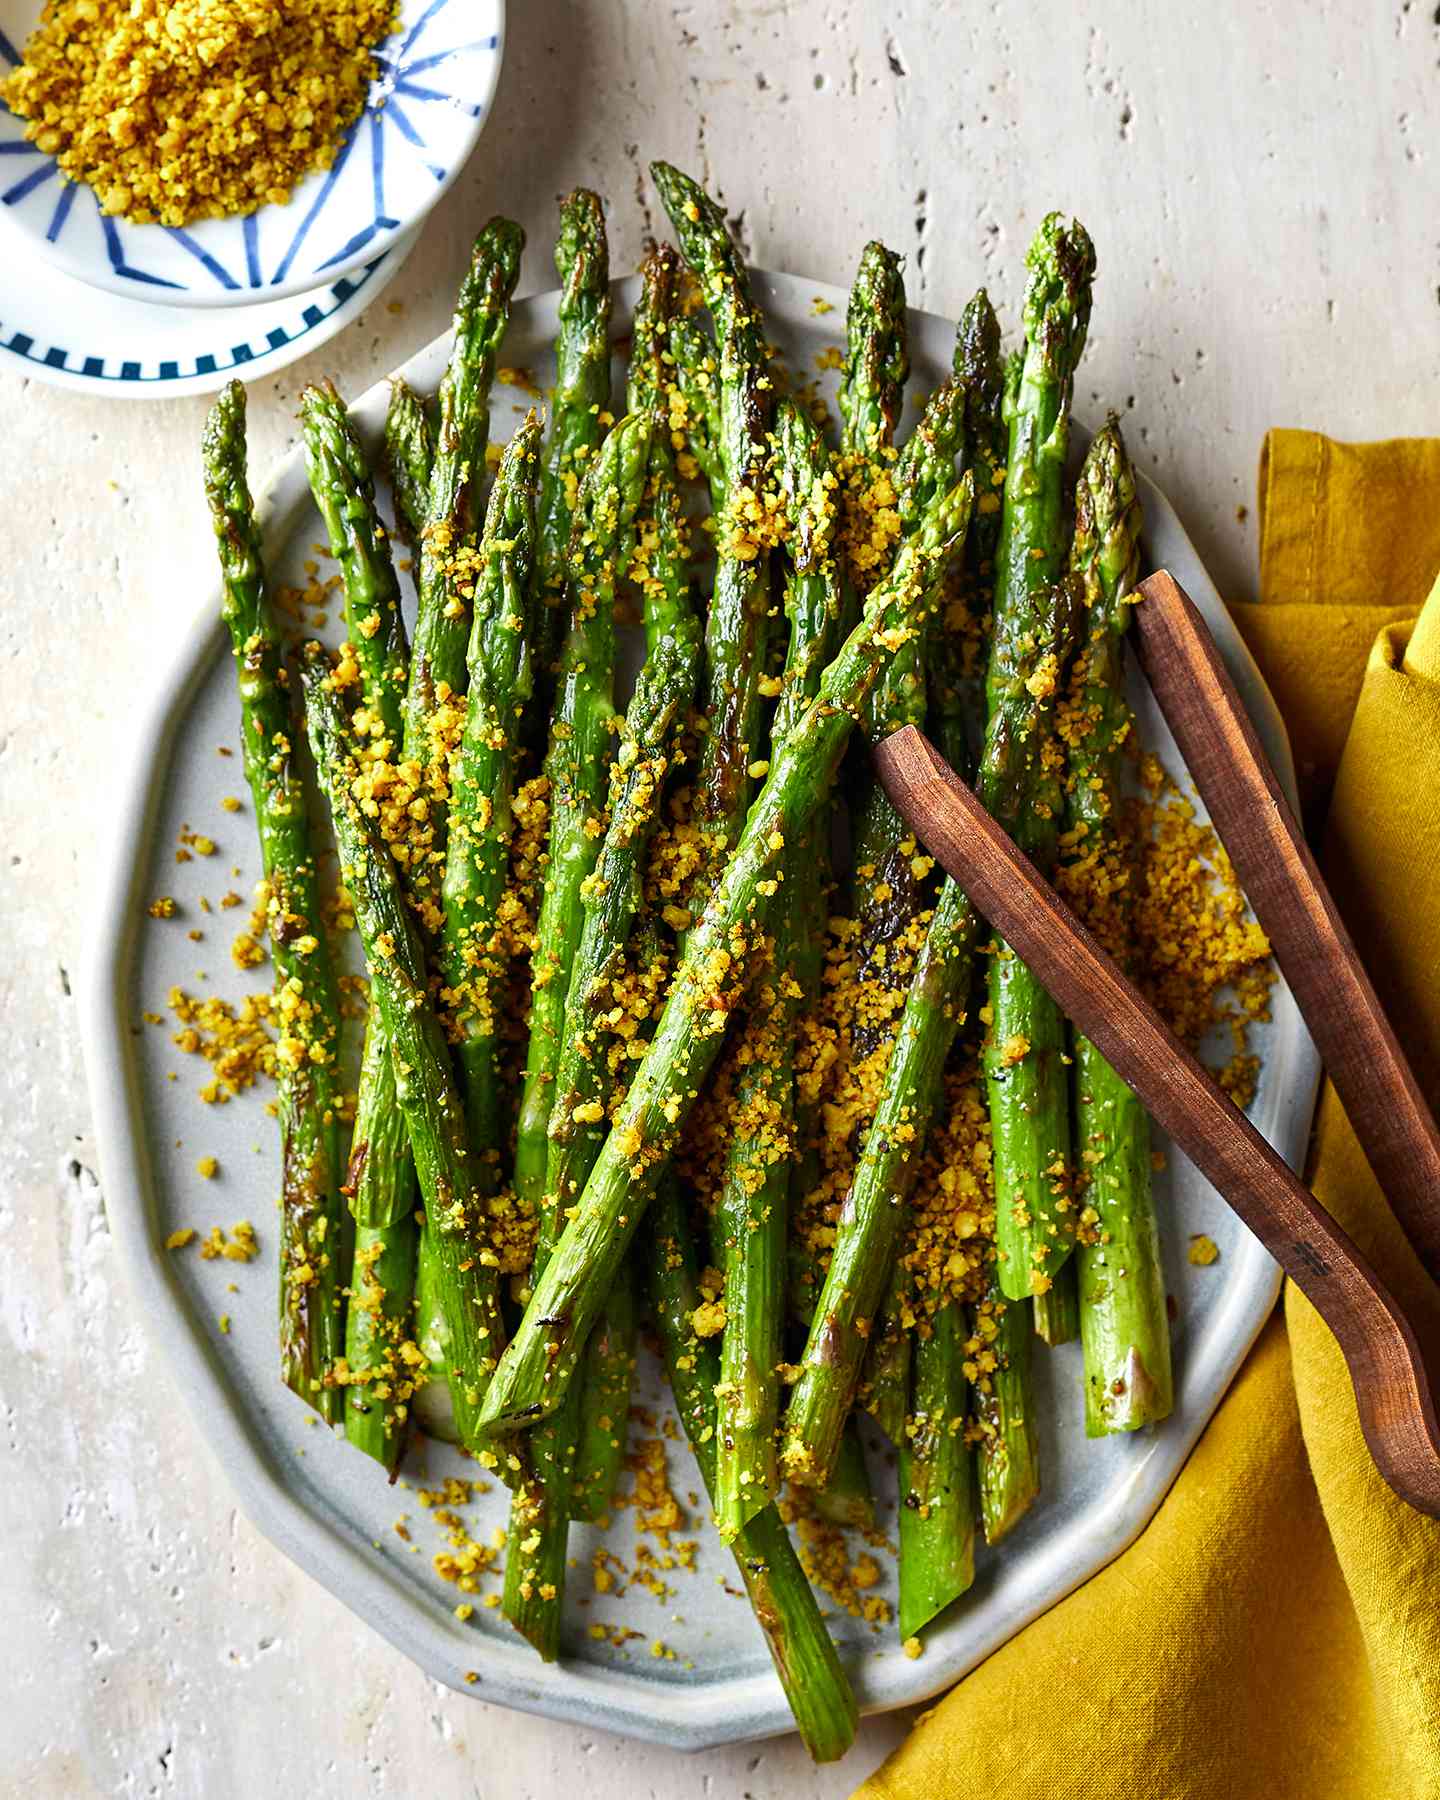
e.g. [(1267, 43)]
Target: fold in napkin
[(1276, 1629)]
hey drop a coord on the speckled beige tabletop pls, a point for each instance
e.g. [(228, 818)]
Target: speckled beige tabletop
[(1263, 200)]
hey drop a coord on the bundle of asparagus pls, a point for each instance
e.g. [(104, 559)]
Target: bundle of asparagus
[(723, 1033)]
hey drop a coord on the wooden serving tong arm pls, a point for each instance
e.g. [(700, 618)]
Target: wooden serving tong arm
[(1283, 883)]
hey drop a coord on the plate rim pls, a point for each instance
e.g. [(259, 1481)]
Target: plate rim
[(366, 285), (681, 1717)]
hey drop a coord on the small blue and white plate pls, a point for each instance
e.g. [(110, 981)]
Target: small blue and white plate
[(422, 117), (59, 331)]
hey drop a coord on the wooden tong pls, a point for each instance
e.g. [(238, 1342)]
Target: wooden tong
[(1314, 951)]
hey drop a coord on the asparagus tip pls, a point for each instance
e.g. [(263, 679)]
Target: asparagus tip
[(1061, 261), (582, 253)]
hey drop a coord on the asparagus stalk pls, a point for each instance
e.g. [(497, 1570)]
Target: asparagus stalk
[(311, 1207), (736, 626), (660, 568), (605, 1404), (998, 1355), (344, 495), (437, 488), (660, 564), (1056, 1312), (877, 354), (998, 1350), (846, 1499), (885, 1377), (695, 369), (1025, 1074), (805, 1660), (438, 673), (807, 485), (431, 1406), (949, 648), (426, 1089), (381, 1188), (382, 1361), (937, 1477), (649, 370), (872, 384), (538, 1368), (954, 664), (877, 365), (999, 1335), (576, 765), (979, 365), (865, 1239), (751, 1217), (577, 1452), (1061, 261), (442, 624), (539, 1530), (379, 1321), (748, 1231), (584, 1086), (472, 957), (579, 399), (751, 1212), (380, 1182), (890, 896), (1020, 780), (409, 458), (1123, 1324), (889, 892)]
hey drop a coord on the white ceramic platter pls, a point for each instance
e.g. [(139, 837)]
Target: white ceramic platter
[(331, 1510)]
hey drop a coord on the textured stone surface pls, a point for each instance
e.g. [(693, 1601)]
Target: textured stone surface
[(1263, 201)]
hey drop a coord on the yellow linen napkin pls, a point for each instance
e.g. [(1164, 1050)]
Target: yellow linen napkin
[(1276, 1630)]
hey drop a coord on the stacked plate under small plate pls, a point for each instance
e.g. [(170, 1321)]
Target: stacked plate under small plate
[(148, 311)]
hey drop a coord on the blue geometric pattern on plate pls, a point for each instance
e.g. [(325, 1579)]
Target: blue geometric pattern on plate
[(231, 351), (437, 73)]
